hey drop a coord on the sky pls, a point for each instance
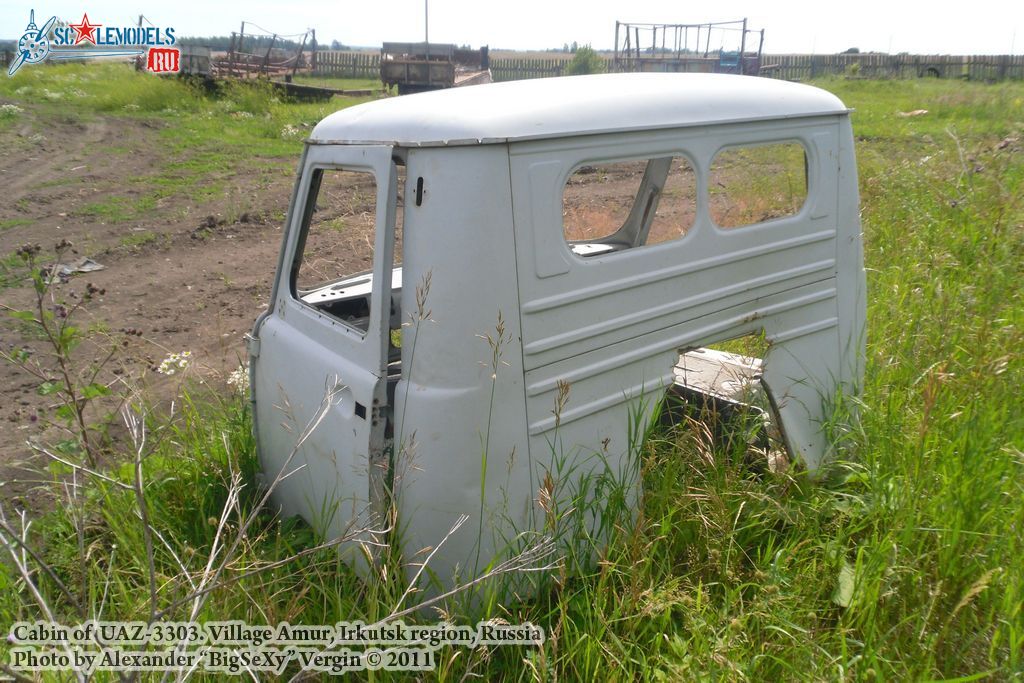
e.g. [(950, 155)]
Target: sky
[(936, 27)]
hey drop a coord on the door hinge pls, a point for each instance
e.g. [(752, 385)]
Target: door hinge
[(252, 345)]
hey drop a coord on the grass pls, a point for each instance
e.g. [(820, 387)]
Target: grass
[(904, 562), (13, 223), (139, 239), (9, 113), (201, 135), (115, 209), (341, 83), (12, 271)]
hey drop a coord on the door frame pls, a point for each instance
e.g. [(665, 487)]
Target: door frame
[(298, 351)]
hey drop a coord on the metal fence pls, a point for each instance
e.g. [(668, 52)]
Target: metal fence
[(797, 67)]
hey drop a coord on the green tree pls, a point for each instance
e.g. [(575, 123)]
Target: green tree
[(585, 61)]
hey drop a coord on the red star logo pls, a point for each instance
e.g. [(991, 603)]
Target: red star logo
[(85, 30)]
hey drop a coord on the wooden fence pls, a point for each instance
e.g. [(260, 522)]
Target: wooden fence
[(515, 69), (341, 64), (338, 64), (972, 67)]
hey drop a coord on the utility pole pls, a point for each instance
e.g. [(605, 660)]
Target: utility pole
[(426, 26)]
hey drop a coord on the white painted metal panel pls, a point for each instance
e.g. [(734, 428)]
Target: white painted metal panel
[(571, 106), (613, 310), (460, 437), (304, 353)]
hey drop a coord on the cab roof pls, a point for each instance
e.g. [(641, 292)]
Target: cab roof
[(572, 105)]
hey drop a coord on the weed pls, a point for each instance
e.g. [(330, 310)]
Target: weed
[(138, 240), (111, 210), (76, 388), (13, 223), (12, 271)]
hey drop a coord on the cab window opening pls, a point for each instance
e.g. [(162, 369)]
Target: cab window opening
[(617, 205), (333, 267), (753, 184)]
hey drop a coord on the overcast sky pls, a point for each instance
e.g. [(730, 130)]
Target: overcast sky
[(940, 26)]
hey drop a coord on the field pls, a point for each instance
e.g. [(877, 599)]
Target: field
[(906, 561), (180, 196)]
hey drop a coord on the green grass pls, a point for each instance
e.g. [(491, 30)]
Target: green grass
[(201, 135), (13, 223), (12, 271), (341, 83), (139, 239), (904, 562), (113, 209)]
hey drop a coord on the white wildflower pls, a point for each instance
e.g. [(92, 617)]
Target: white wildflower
[(9, 110), (290, 132), (239, 379), (174, 362)]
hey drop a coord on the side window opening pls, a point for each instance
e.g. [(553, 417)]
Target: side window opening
[(757, 183), (611, 206), (333, 268)]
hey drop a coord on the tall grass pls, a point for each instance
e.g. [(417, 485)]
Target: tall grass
[(905, 561), (231, 117), (188, 477), (101, 87)]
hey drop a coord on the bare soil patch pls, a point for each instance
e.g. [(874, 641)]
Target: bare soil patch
[(190, 274)]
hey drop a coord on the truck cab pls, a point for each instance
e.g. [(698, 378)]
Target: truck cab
[(497, 286)]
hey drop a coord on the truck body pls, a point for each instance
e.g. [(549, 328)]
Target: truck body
[(419, 67)]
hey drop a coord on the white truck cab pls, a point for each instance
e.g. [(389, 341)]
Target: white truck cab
[(502, 282)]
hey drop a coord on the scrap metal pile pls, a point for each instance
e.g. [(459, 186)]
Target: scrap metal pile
[(253, 55)]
